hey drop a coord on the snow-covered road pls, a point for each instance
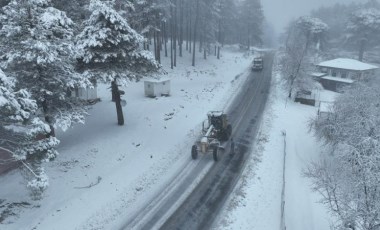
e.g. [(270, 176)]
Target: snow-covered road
[(256, 202), (203, 205)]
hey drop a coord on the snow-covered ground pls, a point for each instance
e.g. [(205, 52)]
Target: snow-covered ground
[(256, 201), (106, 172)]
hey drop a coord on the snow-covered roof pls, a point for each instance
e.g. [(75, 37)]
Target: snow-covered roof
[(325, 107), (318, 74), (215, 113), (152, 80), (346, 63), (331, 78)]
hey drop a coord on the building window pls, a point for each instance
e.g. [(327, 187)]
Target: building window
[(333, 73), (343, 74)]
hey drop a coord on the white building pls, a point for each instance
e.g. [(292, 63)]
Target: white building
[(157, 88), (343, 71)]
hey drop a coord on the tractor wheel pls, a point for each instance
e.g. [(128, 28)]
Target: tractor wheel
[(194, 152), (215, 153)]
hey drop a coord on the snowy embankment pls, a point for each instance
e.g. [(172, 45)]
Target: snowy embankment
[(256, 201), (106, 172)]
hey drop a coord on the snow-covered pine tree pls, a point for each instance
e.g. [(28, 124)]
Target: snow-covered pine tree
[(110, 50), (349, 176), (75, 10), (364, 29), (227, 24), (38, 52), (295, 63), (313, 29), (209, 15), (147, 19), (37, 41), (19, 129), (251, 20)]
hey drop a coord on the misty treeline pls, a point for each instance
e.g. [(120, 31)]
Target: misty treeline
[(326, 33), (352, 27), (347, 175), (51, 48), (171, 27)]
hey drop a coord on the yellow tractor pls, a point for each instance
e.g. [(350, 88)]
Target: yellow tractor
[(215, 130)]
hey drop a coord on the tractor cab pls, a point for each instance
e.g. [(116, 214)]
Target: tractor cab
[(217, 119), (216, 131)]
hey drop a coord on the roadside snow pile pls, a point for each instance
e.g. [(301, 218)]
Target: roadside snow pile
[(105, 171), (256, 202)]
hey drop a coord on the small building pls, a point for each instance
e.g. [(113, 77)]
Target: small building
[(87, 94), (156, 88), (340, 72), (305, 97), (325, 108)]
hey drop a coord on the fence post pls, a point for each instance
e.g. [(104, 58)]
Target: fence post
[(282, 223)]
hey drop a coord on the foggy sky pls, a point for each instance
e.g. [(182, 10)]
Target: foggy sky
[(280, 12)]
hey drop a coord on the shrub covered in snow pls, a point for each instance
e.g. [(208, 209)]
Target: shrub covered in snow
[(349, 178)]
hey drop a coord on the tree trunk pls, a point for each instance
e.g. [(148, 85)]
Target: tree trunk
[(361, 49), (181, 28), (218, 56), (148, 42), (200, 42), (190, 34), (155, 45), (204, 53), (195, 32), (175, 34), (158, 48), (171, 38), (165, 40), (113, 90), (187, 31), (48, 119), (119, 110)]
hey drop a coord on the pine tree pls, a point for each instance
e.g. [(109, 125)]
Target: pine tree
[(364, 28), (251, 20), (209, 16), (313, 30), (227, 24), (19, 129), (37, 43), (147, 19), (294, 62), (110, 50), (39, 54)]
